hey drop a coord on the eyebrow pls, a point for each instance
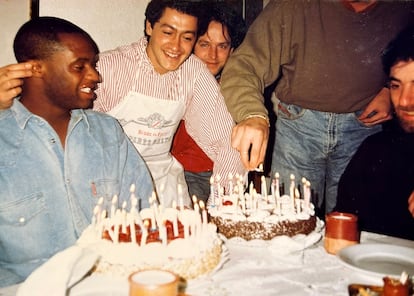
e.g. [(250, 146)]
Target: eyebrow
[(392, 78), (175, 29)]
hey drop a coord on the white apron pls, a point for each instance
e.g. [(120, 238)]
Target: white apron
[(150, 123)]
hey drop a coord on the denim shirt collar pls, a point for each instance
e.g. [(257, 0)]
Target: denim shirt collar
[(23, 115)]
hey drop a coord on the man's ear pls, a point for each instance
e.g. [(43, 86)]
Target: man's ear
[(148, 28), (37, 68)]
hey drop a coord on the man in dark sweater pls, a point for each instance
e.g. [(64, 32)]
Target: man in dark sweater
[(378, 183)]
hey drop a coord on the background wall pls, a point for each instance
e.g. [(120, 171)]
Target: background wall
[(13, 13), (110, 23)]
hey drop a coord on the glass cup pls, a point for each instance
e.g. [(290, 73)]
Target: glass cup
[(153, 283), (341, 230)]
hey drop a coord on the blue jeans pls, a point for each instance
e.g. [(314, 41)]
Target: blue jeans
[(318, 146)]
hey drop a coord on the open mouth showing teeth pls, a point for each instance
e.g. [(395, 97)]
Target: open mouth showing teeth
[(87, 90), (172, 55)]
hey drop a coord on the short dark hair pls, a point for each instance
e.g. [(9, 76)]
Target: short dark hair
[(155, 9), (401, 48), (228, 17), (39, 38)]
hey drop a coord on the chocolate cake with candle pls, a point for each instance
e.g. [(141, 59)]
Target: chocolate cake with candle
[(175, 239), (252, 215)]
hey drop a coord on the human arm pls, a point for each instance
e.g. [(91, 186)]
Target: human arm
[(411, 204), (378, 110), (11, 80), (250, 69)]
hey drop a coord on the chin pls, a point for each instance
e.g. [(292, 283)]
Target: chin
[(408, 127)]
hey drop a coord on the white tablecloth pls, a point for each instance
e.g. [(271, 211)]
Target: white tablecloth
[(256, 271)]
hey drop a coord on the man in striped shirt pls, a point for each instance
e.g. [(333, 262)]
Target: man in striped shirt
[(152, 84)]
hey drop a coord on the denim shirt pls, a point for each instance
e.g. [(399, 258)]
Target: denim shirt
[(47, 193)]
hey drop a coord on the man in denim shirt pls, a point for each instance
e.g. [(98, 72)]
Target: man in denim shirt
[(56, 159)]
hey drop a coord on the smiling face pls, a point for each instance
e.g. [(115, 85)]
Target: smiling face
[(70, 76), (214, 47), (402, 93), (171, 40)]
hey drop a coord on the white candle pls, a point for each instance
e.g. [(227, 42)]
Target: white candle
[(203, 212), (132, 228), (295, 204), (212, 196), (123, 217), (144, 233), (303, 187), (264, 187), (132, 190), (292, 186), (163, 233), (307, 195), (230, 179), (277, 189), (117, 225), (114, 205), (95, 216), (180, 196), (218, 177), (194, 199), (175, 225)]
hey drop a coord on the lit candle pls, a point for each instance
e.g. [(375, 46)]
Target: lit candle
[(218, 177), (264, 187), (132, 228), (203, 212), (132, 190), (114, 205), (196, 220), (294, 203), (180, 196), (123, 217), (303, 187), (175, 224), (163, 233), (117, 224), (144, 233), (277, 189), (95, 216), (194, 199), (212, 196), (230, 179), (307, 195), (292, 186)]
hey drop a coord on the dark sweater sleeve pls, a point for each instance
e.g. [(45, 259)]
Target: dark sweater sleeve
[(353, 184)]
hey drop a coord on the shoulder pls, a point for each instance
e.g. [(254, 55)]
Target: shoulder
[(100, 120), (193, 63)]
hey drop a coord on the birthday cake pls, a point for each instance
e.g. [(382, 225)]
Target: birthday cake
[(175, 239), (264, 216)]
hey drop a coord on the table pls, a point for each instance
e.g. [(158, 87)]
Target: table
[(255, 271)]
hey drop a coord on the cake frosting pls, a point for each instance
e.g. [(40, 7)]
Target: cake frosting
[(175, 239), (265, 215)]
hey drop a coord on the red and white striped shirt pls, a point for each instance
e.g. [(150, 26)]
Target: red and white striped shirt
[(207, 119)]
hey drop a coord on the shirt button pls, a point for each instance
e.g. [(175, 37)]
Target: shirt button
[(21, 220), (53, 140)]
